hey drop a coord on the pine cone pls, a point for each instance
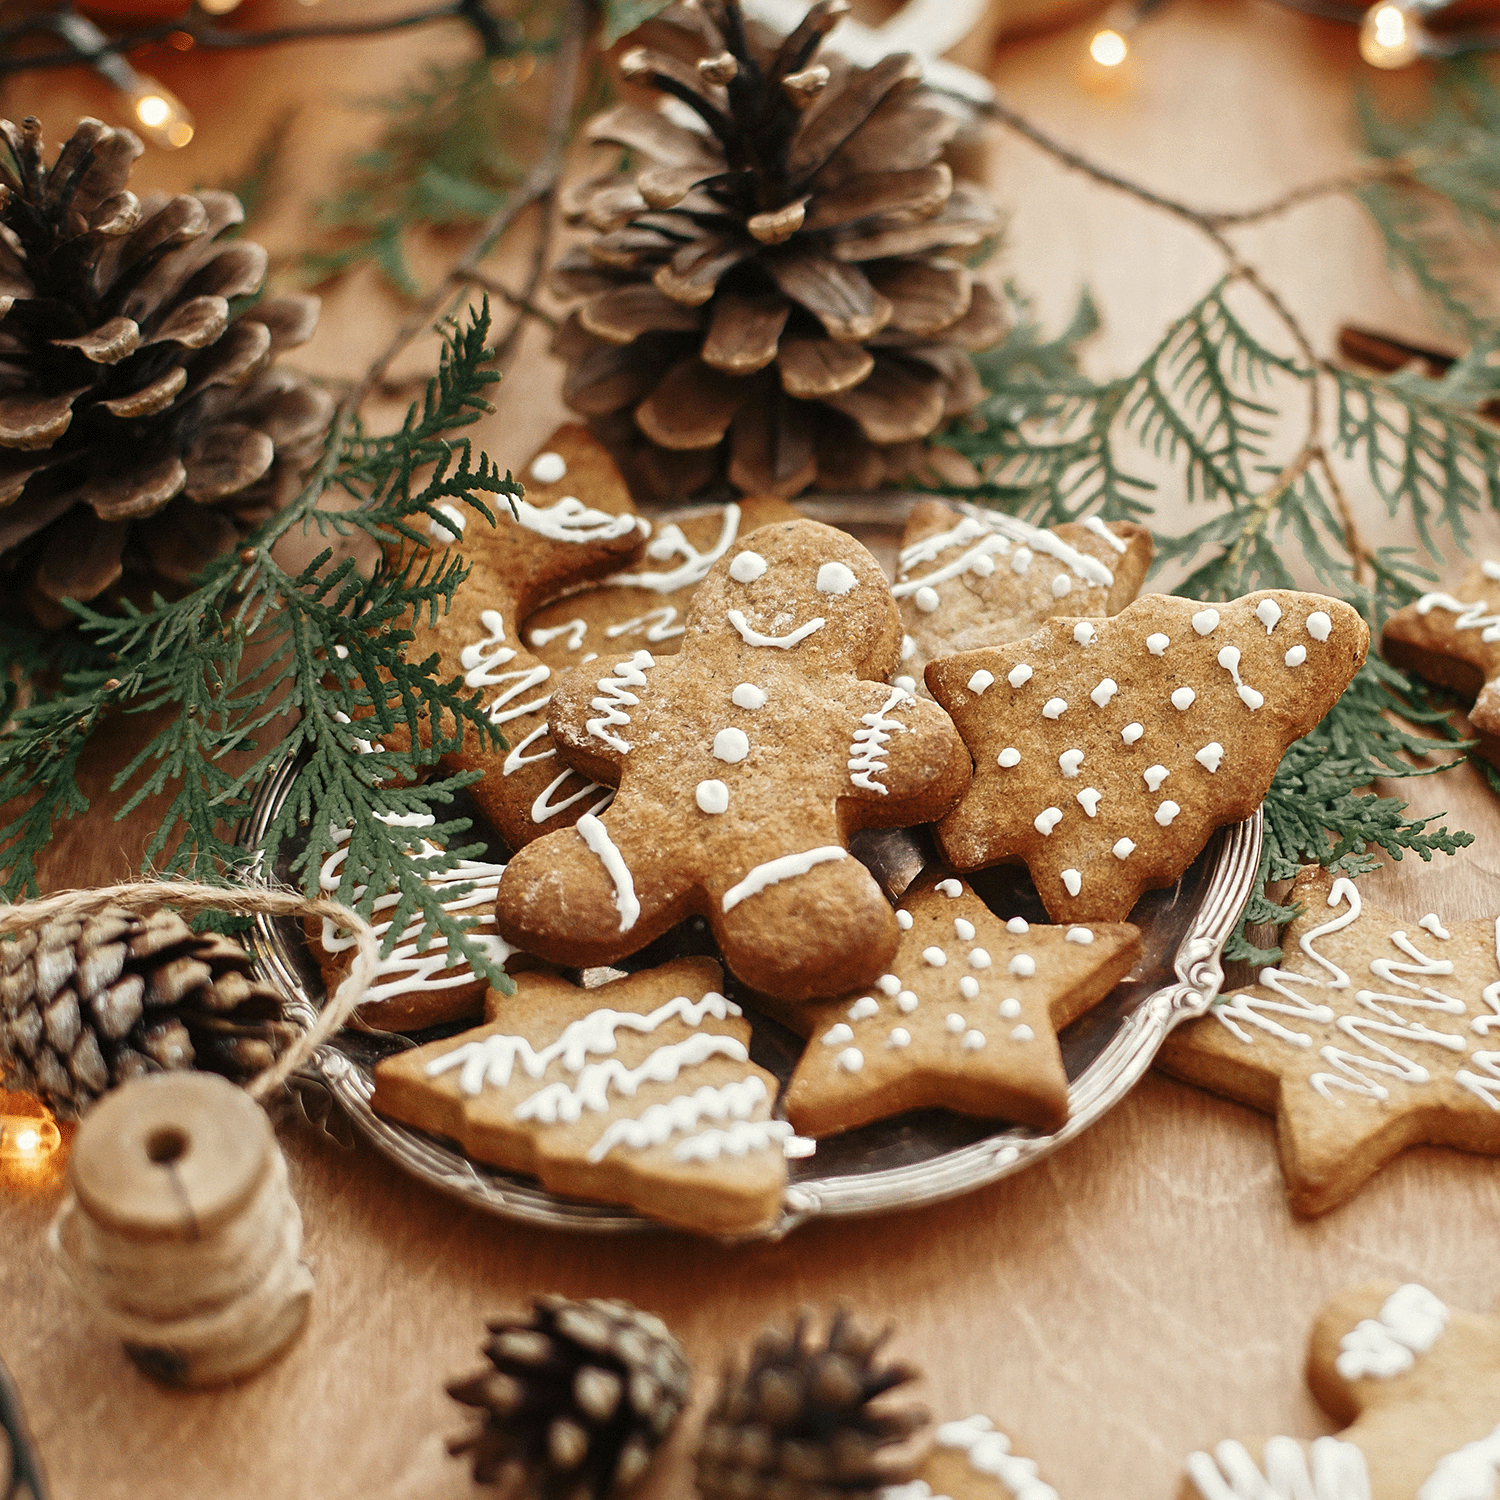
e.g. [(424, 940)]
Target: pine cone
[(772, 299), (577, 1400), (798, 1424), (143, 427), (86, 1005)]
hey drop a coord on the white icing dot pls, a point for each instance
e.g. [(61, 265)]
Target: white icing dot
[(1082, 935), (981, 680), (906, 1002), (908, 648), (1166, 812), (835, 578), (1434, 924), (984, 565), (1153, 776), (1084, 633), (888, 984), (1131, 733), (1089, 799), (713, 796), (1010, 1008), (1020, 560), (851, 1060), (1069, 761), (747, 695), (1046, 820), (1054, 708), (863, 1008), (1268, 612), (1123, 849), (1024, 965), (1296, 656), (1318, 625), (1206, 621), (548, 468), (731, 745), (838, 1034), (899, 1037), (1022, 1033), (1211, 756), (973, 1041), (950, 888), (1008, 757), (954, 1022), (1062, 586), (1183, 698), (1157, 644), (968, 987), (979, 958), (1105, 691), (1072, 882), (747, 567), (1229, 658), (904, 920), (964, 930), (1018, 925), (1019, 675), (926, 599), (905, 683), (934, 956), (1249, 697)]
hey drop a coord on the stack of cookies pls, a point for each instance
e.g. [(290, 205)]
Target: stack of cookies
[(700, 731)]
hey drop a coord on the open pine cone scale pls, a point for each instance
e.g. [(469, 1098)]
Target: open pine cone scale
[(772, 297)]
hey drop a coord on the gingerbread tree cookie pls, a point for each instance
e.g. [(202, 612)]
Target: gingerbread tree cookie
[(968, 577), (1456, 641), (1419, 1386), (744, 763), (639, 1092), (557, 541), (1375, 1036), (1108, 751), (644, 605), (966, 1020), (971, 1460)]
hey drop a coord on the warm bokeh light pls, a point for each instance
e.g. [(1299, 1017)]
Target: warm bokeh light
[(1108, 49), (219, 7), (28, 1139), (153, 111), (1388, 37), (161, 116)]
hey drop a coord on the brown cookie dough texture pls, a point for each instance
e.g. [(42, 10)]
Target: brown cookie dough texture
[(1418, 1385), (744, 763), (968, 577), (1107, 751), (966, 1019), (1455, 641), (1374, 1035), (638, 1092), (973, 1460)]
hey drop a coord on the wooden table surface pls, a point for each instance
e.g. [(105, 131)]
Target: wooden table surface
[(1142, 1293)]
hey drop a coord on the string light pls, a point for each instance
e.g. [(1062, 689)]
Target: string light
[(1389, 37), (161, 115), (28, 1138), (1110, 44)]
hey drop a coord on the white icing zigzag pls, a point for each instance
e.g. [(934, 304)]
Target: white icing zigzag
[(1338, 1472), (659, 1123), (989, 1453), (865, 754)]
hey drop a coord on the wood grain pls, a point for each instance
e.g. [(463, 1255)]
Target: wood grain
[(1140, 1294)]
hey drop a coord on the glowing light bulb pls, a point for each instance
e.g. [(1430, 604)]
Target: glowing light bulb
[(28, 1138), (1108, 48), (153, 111), (27, 1141), (1389, 37), (161, 114)]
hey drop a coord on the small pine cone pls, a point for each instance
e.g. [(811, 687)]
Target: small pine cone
[(86, 1005), (779, 298), (799, 1423), (577, 1399), (143, 429)]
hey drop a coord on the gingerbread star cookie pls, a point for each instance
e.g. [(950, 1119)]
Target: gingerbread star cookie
[(1419, 1386), (972, 1460), (1374, 1036), (967, 1018), (744, 764), (1456, 642), (1107, 751), (969, 577), (638, 1092), (644, 605)]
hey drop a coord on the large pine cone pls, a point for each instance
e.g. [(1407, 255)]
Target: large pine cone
[(142, 426), (576, 1401), (86, 1005), (799, 1424), (772, 299)]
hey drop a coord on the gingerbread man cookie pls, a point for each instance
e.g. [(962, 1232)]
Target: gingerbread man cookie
[(1374, 1036), (639, 1092), (1108, 751), (1419, 1386), (971, 1460), (744, 763), (966, 1020), (1456, 641), (968, 577)]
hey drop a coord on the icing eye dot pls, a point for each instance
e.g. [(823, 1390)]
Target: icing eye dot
[(1008, 757), (548, 468), (1080, 935), (973, 1041), (1019, 676), (908, 648), (1010, 1008), (1153, 776), (979, 959), (1268, 612), (731, 745), (926, 599), (1020, 560), (1157, 644), (1022, 1033), (1211, 756), (1054, 708), (1318, 625), (1206, 621), (713, 796), (963, 930), (1105, 691), (1062, 586), (835, 578), (954, 1022), (899, 1037), (1069, 761), (888, 984), (904, 920), (934, 956), (836, 1035), (851, 1060), (968, 987), (1229, 658), (863, 1008), (747, 567), (950, 888), (1183, 698), (747, 695), (1131, 733), (1296, 656), (1166, 812), (1089, 799), (1023, 965), (981, 680), (1084, 633), (1046, 820), (1017, 925), (906, 1002), (1072, 882), (1123, 849)]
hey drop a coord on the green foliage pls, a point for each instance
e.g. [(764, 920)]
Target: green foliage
[(257, 663)]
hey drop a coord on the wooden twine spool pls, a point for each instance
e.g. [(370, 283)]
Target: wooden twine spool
[(180, 1231)]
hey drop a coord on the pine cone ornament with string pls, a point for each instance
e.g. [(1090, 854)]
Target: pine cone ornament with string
[(143, 429), (802, 1424), (778, 298), (576, 1400), (85, 1005)]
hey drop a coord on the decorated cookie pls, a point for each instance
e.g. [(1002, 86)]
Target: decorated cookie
[(644, 606), (639, 1092), (574, 524), (1456, 641), (1107, 751), (744, 763), (414, 986), (967, 1018), (969, 577), (1375, 1035), (970, 1460), (1419, 1386)]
